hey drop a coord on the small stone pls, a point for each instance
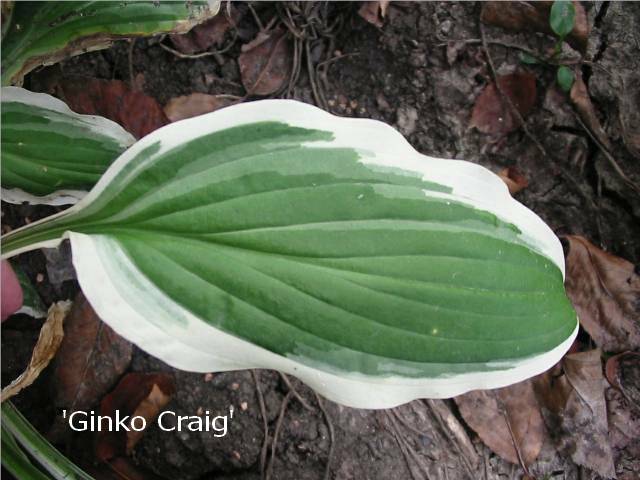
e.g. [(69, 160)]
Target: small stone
[(407, 118), (244, 406), (383, 104), (353, 104), (235, 386), (445, 27), (208, 377), (236, 455), (39, 278)]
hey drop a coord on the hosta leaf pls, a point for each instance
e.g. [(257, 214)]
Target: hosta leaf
[(275, 235), (43, 33), (51, 154)]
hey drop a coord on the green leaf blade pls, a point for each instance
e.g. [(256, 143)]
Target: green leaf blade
[(51, 154), (42, 33), (562, 17), (274, 235), (565, 78)]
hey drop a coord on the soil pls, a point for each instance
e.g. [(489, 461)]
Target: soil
[(420, 72)]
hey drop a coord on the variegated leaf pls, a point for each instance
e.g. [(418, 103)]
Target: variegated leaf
[(274, 235), (43, 33), (49, 153)]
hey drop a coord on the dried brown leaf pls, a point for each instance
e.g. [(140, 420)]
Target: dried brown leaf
[(605, 291), (623, 418), (192, 105), (265, 63), (91, 358), (49, 340), (493, 115), (623, 373), (137, 394), (579, 414), (508, 420), (374, 12), (210, 33), (514, 179), (583, 105), (534, 16), (138, 113)]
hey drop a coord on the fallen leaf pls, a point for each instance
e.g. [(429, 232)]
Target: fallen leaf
[(514, 179), (137, 394), (91, 358), (210, 33), (138, 113), (623, 418), (493, 115), (534, 16), (623, 373), (605, 291), (582, 102), (265, 63), (49, 341), (579, 413), (505, 417), (195, 104), (374, 12)]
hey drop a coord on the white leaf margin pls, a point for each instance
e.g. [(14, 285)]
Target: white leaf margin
[(135, 308), (94, 123)]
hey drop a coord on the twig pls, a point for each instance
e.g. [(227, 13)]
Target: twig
[(327, 419), (320, 100), (445, 429), (406, 448), (276, 433), (255, 17), (608, 156), (293, 390), (265, 423), (516, 445), (193, 56)]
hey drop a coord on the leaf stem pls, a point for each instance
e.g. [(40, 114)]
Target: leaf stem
[(47, 233)]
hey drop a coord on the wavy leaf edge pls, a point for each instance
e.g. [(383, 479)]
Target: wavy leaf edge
[(202, 347), (46, 102)]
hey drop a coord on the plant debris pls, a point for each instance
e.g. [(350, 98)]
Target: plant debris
[(514, 179), (492, 114), (91, 358), (51, 335), (188, 106), (508, 420), (605, 291), (576, 399), (136, 112), (137, 394), (209, 33), (266, 62), (534, 16), (374, 12)]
